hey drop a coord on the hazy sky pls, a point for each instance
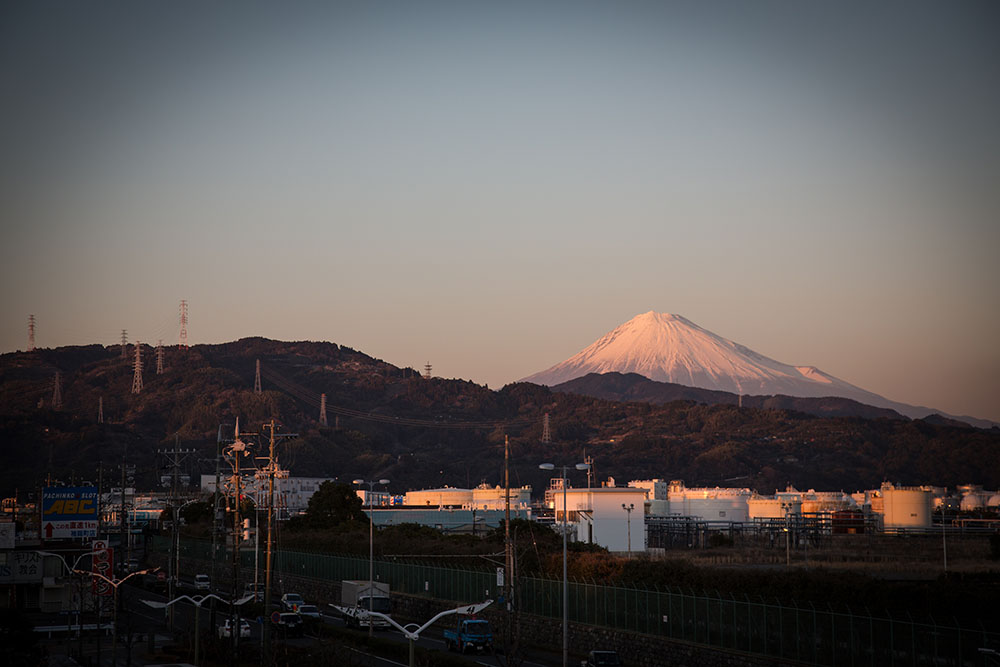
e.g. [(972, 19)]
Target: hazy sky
[(492, 186)]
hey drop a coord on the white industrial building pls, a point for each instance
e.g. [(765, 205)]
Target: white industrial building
[(598, 516), (291, 494)]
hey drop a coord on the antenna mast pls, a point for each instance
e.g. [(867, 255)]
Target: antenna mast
[(137, 370), (183, 341)]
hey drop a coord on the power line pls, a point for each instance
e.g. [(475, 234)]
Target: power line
[(309, 397)]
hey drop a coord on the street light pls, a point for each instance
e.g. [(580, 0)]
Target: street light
[(371, 544), (565, 639), (72, 570), (197, 601), (414, 634), (628, 508), (115, 583)]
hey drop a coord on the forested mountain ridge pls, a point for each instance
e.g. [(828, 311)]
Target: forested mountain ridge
[(391, 422)]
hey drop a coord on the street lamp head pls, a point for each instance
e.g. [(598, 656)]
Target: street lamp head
[(583, 466), (383, 481), (359, 482), (546, 466)]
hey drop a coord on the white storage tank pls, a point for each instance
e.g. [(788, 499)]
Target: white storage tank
[(905, 507), (973, 501), (444, 497), (994, 501), (708, 504), (764, 507)]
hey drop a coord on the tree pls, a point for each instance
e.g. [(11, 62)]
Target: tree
[(332, 505)]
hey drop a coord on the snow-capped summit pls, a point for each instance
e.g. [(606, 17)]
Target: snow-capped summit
[(670, 348)]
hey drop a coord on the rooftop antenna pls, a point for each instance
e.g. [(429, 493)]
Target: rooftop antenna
[(256, 379), (183, 341), (31, 333), (159, 357), (124, 344), (57, 393), (322, 410), (137, 370)]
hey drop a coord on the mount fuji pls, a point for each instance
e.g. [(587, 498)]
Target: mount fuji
[(669, 348)]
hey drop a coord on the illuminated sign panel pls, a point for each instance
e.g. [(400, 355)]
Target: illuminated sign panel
[(69, 512)]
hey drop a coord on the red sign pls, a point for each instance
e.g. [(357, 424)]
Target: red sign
[(103, 559)]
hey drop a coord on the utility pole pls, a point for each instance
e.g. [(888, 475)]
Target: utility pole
[(271, 470), (175, 457)]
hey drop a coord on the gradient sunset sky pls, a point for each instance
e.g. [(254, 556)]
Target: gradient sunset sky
[(492, 186)]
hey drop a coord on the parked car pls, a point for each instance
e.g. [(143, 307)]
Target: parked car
[(291, 601), (309, 613), (288, 624), (202, 582), (602, 659), (225, 629)]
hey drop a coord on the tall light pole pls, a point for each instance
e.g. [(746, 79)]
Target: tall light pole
[(628, 508), (371, 545), (565, 638)]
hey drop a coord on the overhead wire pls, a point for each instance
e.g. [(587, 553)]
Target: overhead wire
[(292, 388)]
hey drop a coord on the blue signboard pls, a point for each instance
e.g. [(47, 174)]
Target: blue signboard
[(69, 511)]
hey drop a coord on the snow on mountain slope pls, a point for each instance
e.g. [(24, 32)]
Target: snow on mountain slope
[(670, 348)]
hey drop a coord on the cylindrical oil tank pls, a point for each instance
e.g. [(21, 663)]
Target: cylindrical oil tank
[(446, 497), (994, 501), (906, 507), (772, 508)]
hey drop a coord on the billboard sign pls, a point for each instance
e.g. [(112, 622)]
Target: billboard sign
[(69, 512), (103, 558), (20, 567)]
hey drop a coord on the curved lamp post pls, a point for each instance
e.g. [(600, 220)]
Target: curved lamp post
[(197, 601), (411, 630), (565, 638), (371, 543)]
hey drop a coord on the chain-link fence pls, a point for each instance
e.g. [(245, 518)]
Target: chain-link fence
[(806, 633)]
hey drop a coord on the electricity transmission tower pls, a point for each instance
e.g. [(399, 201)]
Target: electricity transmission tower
[(256, 379), (137, 370), (183, 340), (31, 333), (57, 393), (124, 344), (427, 370), (322, 410), (100, 410), (546, 433), (159, 358)]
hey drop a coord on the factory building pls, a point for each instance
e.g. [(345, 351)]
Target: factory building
[(599, 516)]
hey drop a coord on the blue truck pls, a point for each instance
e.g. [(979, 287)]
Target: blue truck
[(469, 633)]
